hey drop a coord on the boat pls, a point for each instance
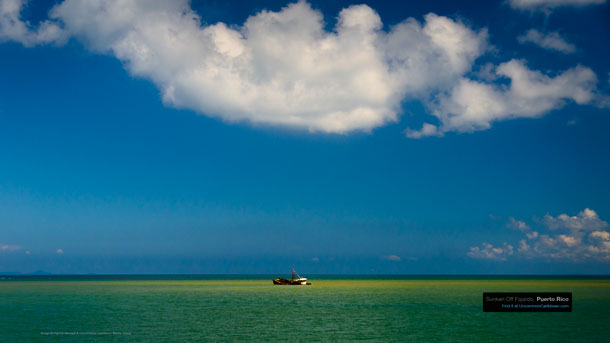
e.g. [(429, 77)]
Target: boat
[(298, 280)]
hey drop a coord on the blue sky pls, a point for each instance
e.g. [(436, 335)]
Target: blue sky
[(119, 153)]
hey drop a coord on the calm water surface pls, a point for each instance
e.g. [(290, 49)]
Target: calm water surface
[(232, 308)]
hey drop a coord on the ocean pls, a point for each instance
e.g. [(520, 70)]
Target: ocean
[(194, 308)]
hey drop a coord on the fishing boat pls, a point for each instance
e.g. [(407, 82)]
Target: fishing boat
[(298, 280)]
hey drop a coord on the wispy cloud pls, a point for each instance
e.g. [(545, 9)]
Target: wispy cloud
[(549, 41), (551, 4), (9, 248), (393, 258)]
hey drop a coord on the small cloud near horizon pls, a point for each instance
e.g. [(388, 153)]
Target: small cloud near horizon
[(489, 252), (583, 237), (9, 248), (394, 258), (517, 224)]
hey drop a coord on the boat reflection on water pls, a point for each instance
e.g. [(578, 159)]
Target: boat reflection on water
[(298, 280)]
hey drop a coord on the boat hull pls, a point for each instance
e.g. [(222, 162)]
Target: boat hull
[(281, 281)]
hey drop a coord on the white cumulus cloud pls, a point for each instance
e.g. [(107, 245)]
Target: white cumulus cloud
[(12, 28), (603, 235), (517, 224), (473, 105), (550, 41), (489, 252), (284, 68), (582, 237), (585, 220), (280, 68)]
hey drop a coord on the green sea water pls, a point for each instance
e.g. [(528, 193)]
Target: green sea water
[(347, 308)]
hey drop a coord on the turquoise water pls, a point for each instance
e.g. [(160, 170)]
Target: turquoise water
[(233, 308)]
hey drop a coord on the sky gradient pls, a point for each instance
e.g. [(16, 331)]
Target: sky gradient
[(104, 170)]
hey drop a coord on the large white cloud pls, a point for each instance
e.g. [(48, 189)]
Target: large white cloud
[(583, 237), (283, 68)]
